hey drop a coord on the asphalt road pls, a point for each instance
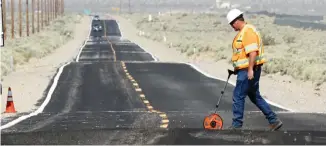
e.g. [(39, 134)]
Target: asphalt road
[(99, 47), (97, 102)]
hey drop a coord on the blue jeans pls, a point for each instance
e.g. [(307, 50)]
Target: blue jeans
[(245, 87)]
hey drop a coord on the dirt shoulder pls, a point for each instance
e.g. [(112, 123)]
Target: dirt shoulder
[(29, 81), (282, 90)]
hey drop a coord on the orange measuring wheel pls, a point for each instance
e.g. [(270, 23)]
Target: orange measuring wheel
[(213, 122)]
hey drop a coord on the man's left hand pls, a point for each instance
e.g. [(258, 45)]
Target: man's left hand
[(250, 74)]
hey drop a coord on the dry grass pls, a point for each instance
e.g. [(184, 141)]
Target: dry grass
[(39, 44), (291, 51)]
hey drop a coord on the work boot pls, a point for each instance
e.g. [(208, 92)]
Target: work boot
[(233, 128), (277, 125)]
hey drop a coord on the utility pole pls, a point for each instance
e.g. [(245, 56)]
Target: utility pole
[(47, 11), (56, 8), (63, 6), (12, 20), (27, 19), (52, 5), (4, 19), (2, 41), (20, 18), (33, 16), (38, 15), (42, 13), (60, 7), (50, 10)]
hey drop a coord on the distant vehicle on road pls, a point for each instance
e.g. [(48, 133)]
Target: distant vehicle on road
[(96, 18), (97, 27)]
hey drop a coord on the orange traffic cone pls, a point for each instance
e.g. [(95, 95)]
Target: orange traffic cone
[(10, 108)]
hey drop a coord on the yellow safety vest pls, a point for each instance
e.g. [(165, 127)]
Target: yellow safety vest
[(239, 58)]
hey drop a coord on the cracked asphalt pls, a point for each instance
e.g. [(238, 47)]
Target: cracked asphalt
[(95, 102)]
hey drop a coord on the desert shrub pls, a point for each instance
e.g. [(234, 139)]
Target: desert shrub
[(268, 40), (297, 52), (39, 44), (289, 39)]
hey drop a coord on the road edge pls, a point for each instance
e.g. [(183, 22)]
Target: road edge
[(50, 90), (85, 41), (41, 108)]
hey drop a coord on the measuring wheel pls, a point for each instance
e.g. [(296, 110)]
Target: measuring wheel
[(213, 122)]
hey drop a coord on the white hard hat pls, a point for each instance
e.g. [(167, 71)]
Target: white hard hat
[(234, 13)]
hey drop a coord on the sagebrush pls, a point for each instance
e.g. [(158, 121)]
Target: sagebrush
[(290, 51)]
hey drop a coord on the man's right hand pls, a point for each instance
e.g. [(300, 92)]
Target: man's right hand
[(235, 72)]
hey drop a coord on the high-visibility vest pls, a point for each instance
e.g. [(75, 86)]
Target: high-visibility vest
[(239, 58)]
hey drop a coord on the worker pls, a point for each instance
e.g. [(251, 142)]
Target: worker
[(248, 58)]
